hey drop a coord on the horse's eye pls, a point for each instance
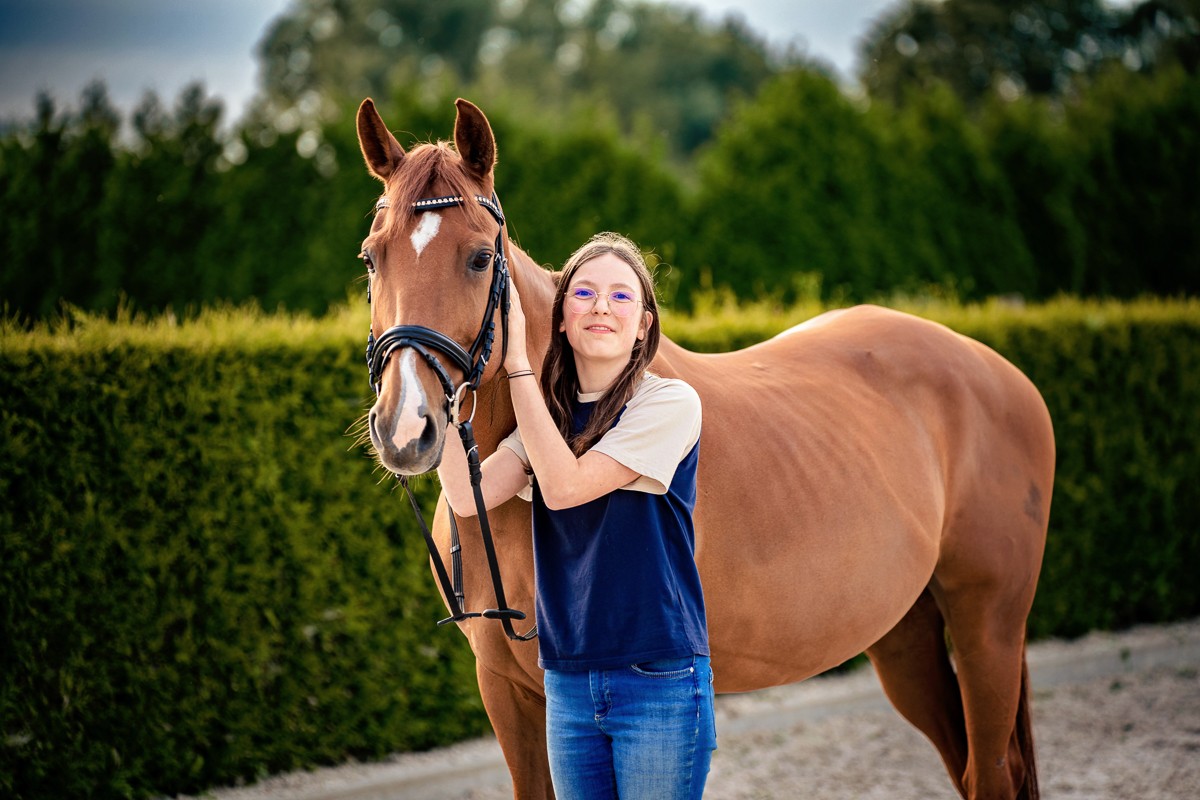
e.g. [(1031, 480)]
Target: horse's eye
[(366, 257), (482, 260)]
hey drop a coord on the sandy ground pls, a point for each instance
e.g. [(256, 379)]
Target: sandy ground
[(1116, 717)]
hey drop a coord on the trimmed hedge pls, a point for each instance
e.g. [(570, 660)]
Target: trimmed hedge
[(203, 580)]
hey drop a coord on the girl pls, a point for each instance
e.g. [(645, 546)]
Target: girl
[(607, 452)]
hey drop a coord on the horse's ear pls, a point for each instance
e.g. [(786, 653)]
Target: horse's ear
[(381, 150), (474, 140)]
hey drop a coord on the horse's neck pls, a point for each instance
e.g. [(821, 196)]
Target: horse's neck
[(495, 418)]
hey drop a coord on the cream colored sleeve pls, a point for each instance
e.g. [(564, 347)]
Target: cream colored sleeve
[(513, 442), (660, 426)]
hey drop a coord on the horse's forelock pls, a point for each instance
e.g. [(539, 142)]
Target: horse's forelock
[(425, 167)]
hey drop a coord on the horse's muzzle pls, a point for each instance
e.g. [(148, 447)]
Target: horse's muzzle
[(407, 445)]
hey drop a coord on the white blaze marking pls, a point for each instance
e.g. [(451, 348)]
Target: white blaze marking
[(409, 422), (426, 230)]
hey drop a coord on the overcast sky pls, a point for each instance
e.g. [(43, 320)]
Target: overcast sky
[(136, 45)]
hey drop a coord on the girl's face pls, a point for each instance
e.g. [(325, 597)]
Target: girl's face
[(603, 312)]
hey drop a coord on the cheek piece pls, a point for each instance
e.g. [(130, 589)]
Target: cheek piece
[(472, 364)]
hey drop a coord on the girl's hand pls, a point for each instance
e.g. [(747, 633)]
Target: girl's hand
[(516, 358)]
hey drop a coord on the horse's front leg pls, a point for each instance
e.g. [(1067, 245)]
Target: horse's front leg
[(518, 717)]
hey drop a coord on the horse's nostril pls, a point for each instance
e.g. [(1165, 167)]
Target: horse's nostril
[(429, 435), (371, 426)]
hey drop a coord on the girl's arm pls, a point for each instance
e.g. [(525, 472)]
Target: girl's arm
[(565, 481), (502, 471)]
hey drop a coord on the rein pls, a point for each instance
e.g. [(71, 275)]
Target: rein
[(472, 364)]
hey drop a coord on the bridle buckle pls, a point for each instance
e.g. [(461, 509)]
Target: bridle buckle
[(455, 404)]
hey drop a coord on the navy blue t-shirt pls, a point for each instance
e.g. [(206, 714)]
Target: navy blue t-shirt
[(617, 582)]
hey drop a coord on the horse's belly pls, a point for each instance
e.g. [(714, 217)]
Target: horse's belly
[(807, 569), (793, 610)]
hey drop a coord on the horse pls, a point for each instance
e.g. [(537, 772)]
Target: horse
[(868, 480)]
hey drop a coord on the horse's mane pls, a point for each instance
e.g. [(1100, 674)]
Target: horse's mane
[(432, 170)]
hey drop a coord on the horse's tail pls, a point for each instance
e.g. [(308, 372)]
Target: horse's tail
[(1024, 733)]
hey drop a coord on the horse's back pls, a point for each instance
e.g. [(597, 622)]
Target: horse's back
[(832, 457), (865, 360)]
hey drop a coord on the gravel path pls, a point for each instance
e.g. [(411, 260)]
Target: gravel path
[(1116, 717)]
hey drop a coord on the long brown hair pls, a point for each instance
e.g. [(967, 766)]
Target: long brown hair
[(560, 381)]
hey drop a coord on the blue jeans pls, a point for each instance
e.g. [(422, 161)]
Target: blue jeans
[(642, 732)]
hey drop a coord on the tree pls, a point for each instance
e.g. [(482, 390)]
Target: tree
[(319, 51), (1045, 167), (1037, 47), (1141, 198), (804, 183), (53, 179), (661, 70), (788, 188), (159, 206)]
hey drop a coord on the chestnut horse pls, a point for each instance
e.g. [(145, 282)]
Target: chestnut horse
[(868, 481)]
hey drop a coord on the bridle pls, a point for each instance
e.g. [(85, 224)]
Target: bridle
[(472, 364)]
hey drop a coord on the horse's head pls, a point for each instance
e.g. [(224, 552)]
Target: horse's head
[(438, 283)]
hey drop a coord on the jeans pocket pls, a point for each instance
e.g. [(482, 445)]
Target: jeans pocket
[(666, 668)]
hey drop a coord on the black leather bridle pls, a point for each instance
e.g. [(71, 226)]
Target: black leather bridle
[(472, 364)]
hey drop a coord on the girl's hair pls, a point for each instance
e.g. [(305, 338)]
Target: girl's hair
[(560, 381)]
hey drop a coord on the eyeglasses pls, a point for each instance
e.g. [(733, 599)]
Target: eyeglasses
[(621, 302)]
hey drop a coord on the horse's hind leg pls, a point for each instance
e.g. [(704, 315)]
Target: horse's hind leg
[(997, 507), (914, 669), (984, 584), (989, 652)]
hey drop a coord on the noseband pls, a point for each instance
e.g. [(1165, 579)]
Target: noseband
[(471, 363)]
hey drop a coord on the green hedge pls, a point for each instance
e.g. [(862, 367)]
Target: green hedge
[(203, 579)]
